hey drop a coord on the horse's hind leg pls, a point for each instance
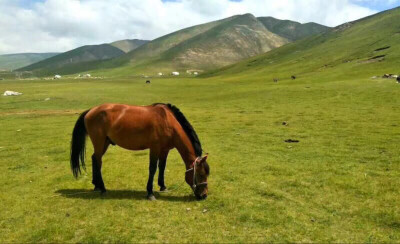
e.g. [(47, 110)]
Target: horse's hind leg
[(97, 162), (152, 171), (161, 169)]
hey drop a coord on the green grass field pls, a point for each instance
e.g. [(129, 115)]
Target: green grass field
[(340, 183)]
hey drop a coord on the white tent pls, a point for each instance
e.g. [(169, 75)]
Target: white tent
[(11, 93), (160, 74), (57, 77), (175, 73)]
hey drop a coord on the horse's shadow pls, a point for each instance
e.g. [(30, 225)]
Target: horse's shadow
[(121, 194)]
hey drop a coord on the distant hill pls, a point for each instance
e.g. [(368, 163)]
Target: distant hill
[(158, 46), (128, 44), (76, 60), (292, 30), (18, 60), (201, 47), (227, 43), (366, 47)]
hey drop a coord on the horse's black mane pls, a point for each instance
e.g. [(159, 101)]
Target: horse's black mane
[(187, 127)]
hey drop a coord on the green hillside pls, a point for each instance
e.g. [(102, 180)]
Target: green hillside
[(128, 44), (76, 60), (292, 30), (18, 60), (367, 47)]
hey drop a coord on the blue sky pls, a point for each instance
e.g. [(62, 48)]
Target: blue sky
[(28, 3), (61, 25), (378, 5)]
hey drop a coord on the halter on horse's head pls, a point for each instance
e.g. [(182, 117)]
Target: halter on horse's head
[(200, 171)]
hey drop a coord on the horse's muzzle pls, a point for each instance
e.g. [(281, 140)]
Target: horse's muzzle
[(198, 197)]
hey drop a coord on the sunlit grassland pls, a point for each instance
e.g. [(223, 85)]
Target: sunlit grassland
[(340, 183)]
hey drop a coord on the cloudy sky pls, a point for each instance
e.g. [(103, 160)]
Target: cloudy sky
[(61, 25)]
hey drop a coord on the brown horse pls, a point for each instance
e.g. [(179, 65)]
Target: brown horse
[(158, 127)]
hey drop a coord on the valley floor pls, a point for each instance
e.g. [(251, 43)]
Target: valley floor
[(340, 183)]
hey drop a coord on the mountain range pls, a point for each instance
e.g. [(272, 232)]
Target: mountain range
[(202, 47)]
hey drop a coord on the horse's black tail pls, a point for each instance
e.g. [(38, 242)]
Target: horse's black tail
[(78, 145)]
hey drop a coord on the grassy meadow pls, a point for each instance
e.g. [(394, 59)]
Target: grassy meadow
[(340, 183)]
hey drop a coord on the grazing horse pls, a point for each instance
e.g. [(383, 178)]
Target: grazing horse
[(293, 77), (147, 81), (158, 127), (275, 80)]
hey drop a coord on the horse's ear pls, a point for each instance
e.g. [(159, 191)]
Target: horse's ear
[(203, 159)]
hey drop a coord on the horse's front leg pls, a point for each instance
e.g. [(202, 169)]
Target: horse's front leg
[(161, 169), (152, 171)]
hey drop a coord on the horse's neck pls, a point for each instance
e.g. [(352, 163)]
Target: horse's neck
[(185, 148)]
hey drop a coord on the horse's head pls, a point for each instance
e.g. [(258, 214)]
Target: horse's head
[(197, 175)]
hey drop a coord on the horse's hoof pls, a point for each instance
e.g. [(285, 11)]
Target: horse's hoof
[(163, 189), (151, 198), (101, 190)]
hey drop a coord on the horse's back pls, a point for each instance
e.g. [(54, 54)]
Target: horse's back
[(131, 127), (114, 112)]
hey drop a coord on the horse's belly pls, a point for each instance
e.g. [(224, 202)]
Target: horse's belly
[(130, 140)]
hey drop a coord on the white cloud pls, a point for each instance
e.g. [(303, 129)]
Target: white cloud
[(61, 25)]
